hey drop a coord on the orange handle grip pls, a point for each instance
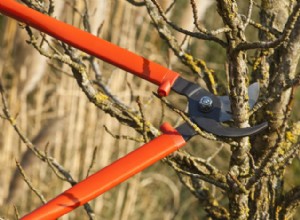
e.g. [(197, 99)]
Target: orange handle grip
[(110, 176), (93, 45)]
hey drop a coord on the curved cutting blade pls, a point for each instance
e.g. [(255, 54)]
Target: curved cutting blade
[(253, 93), (218, 129), (210, 121)]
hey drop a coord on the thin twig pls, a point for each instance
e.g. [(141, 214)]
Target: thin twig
[(55, 171), (51, 7), (198, 66), (162, 117), (289, 26), (93, 161), (138, 100), (291, 84), (249, 14), (169, 8), (30, 185), (195, 15), (201, 176), (17, 214), (240, 186), (214, 154), (207, 36), (124, 137), (38, 153)]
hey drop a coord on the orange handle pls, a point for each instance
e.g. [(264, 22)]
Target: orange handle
[(110, 176), (93, 45)]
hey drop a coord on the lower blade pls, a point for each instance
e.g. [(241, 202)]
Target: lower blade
[(218, 129)]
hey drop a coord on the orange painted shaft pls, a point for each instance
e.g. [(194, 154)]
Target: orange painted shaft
[(93, 45), (109, 177)]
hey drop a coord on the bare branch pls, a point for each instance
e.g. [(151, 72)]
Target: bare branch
[(196, 65), (28, 182), (213, 209), (146, 139), (195, 15), (36, 5), (124, 137), (17, 214), (289, 203), (284, 37), (93, 161), (169, 8), (186, 165), (249, 14), (43, 157), (204, 36)]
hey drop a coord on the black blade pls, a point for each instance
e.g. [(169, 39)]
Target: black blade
[(187, 88), (186, 131), (218, 129)]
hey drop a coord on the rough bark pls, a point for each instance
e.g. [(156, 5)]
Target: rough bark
[(281, 62)]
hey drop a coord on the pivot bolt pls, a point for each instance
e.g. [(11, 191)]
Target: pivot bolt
[(205, 104)]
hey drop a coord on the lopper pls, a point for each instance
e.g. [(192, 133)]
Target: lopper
[(206, 110)]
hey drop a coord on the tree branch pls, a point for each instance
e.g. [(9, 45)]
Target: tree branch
[(42, 156), (289, 203), (284, 37), (196, 65)]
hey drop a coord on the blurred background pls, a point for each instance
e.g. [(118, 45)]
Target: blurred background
[(51, 109)]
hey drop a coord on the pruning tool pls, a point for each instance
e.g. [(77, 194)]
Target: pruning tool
[(206, 110)]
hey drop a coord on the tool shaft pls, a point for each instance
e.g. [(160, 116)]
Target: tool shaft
[(110, 176), (104, 50)]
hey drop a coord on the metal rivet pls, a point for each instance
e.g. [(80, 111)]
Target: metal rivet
[(205, 104)]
